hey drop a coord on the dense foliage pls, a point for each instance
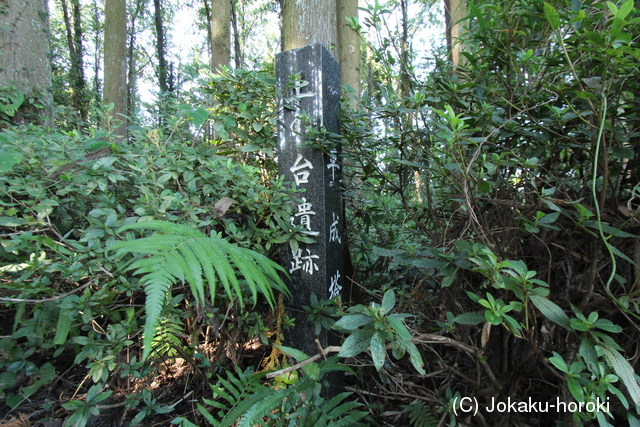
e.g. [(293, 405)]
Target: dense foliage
[(504, 205), (492, 224)]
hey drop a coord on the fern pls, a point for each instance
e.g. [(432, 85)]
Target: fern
[(169, 331), (179, 253), (66, 316), (420, 415), (233, 397), (244, 400), (334, 412)]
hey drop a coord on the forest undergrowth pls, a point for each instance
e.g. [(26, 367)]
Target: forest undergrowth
[(492, 226)]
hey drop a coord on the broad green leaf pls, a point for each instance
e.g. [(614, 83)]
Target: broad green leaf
[(8, 221), (549, 218), (199, 116), (355, 343), (399, 327), (617, 252), (551, 311), (595, 38), (8, 158), (576, 389), (352, 321), (579, 325), (492, 317), (589, 354), (388, 301), (378, 352), (416, 358), (551, 15), (559, 362), (607, 325), (385, 252), (469, 318), (624, 371), (250, 148), (625, 9)]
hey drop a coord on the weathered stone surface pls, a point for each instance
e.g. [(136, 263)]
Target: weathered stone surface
[(313, 93)]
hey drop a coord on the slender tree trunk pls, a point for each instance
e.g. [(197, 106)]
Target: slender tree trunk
[(131, 79), (115, 64), (307, 22), (239, 60), (207, 11), (76, 71), (348, 45), (72, 47), (26, 56), (163, 81), (454, 13), (97, 42), (220, 33), (405, 77), (78, 60)]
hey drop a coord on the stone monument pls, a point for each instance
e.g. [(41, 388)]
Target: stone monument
[(308, 84)]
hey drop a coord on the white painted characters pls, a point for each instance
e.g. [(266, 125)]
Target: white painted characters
[(303, 216), (334, 235), (335, 288), (305, 263), (300, 170)]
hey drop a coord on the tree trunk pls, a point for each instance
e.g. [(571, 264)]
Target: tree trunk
[(131, 58), (348, 45), (454, 13), (220, 33), (405, 78), (97, 43), (163, 80), (25, 50), (239, 60), (207, 11), (78, 60), (115, 65), (306, 22), (76, 70)]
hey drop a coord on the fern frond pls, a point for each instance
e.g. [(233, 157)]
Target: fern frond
[(165, 227), (168, 333), (420, 415), (319, 412), (204, 269), (336, 406), (246, 391), (184, 254), (263, 404), (293, 352), (244, 401), (191, 266), (151, 245), (64, 325), (206, 414), (156, 285)]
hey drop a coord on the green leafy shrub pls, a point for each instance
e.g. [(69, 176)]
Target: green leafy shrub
[(65, 293), (500, 195), (371, 327), (184, 254)]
